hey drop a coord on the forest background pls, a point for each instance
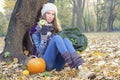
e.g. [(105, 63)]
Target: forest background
[(87, 15)]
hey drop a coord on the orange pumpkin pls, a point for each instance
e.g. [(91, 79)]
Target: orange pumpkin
[(36, 65)]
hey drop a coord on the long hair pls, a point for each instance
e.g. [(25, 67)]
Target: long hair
[(56, 23)]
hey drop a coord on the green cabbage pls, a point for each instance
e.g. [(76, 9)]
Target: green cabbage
[(78, 39)]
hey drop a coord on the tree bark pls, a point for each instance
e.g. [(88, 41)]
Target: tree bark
[(73, 14), (110, 18), (79, 14), (112, 15), (51, 1), (24, 16), (80, 7)]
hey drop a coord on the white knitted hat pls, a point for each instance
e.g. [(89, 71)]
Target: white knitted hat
[(47, 7)]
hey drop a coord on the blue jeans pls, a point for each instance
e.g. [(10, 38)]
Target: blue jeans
[(56, 47)]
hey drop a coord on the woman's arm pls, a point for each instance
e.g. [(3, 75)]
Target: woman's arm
[(36, 40), (40, 45)]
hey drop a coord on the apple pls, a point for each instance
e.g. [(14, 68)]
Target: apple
[(41, 22)]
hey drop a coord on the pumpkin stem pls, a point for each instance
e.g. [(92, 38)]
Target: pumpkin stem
[(33, 56)]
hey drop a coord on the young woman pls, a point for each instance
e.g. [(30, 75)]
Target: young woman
[(55, 50)]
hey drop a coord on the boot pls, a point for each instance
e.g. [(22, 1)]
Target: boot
[(85, 73), (77, 60), (67, 58), (73, 60), (79, 64)]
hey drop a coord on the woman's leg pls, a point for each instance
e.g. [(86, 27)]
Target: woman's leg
[(76, 59), (59, 62), (55, 44), (69, 45), (68, 52)]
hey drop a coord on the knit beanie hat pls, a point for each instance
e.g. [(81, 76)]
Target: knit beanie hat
[(47, 7)]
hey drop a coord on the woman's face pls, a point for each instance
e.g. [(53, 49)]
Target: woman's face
[(50, 15)]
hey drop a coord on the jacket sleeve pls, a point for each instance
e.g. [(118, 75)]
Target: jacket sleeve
[(36, 40)]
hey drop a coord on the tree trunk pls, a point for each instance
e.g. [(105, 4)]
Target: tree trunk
[(85, 23), (79, 14), (73, 14), (24, 16), (80, 7), (51, 1), (111, 17)]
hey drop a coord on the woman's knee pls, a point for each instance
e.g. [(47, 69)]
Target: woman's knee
[(57, 37), (66, 40)]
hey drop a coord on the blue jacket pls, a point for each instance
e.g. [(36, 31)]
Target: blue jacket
[(36, 33)]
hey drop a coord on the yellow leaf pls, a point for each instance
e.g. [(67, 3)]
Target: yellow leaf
[(15, 60), (97, 53), (26, 52), (111, 73), (118, 71), (25, 72), (19, 78), (3, 63), (10, 66)]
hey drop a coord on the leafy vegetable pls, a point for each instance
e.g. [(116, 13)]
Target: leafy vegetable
[(46, 74), (78, 39), (7, 54)]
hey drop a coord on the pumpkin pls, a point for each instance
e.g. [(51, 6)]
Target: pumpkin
[(36, 65)]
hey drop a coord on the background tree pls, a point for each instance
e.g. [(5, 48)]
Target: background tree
[(107, 12), (116, 11), (78, 5), (9, 5), (101, 11), (64, 12), (51, 1), (112, 15), (5, 16), (2, 24), (22, 19), (73, 14), (67, 10)]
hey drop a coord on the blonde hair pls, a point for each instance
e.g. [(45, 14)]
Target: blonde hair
[(57, 25)]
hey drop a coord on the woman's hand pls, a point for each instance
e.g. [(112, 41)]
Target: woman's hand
[(41, 23)]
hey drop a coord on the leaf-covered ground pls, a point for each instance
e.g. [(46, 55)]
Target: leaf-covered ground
[(101, 56)]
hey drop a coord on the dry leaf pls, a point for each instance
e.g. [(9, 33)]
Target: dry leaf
[(15, 60), (26, 52)]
